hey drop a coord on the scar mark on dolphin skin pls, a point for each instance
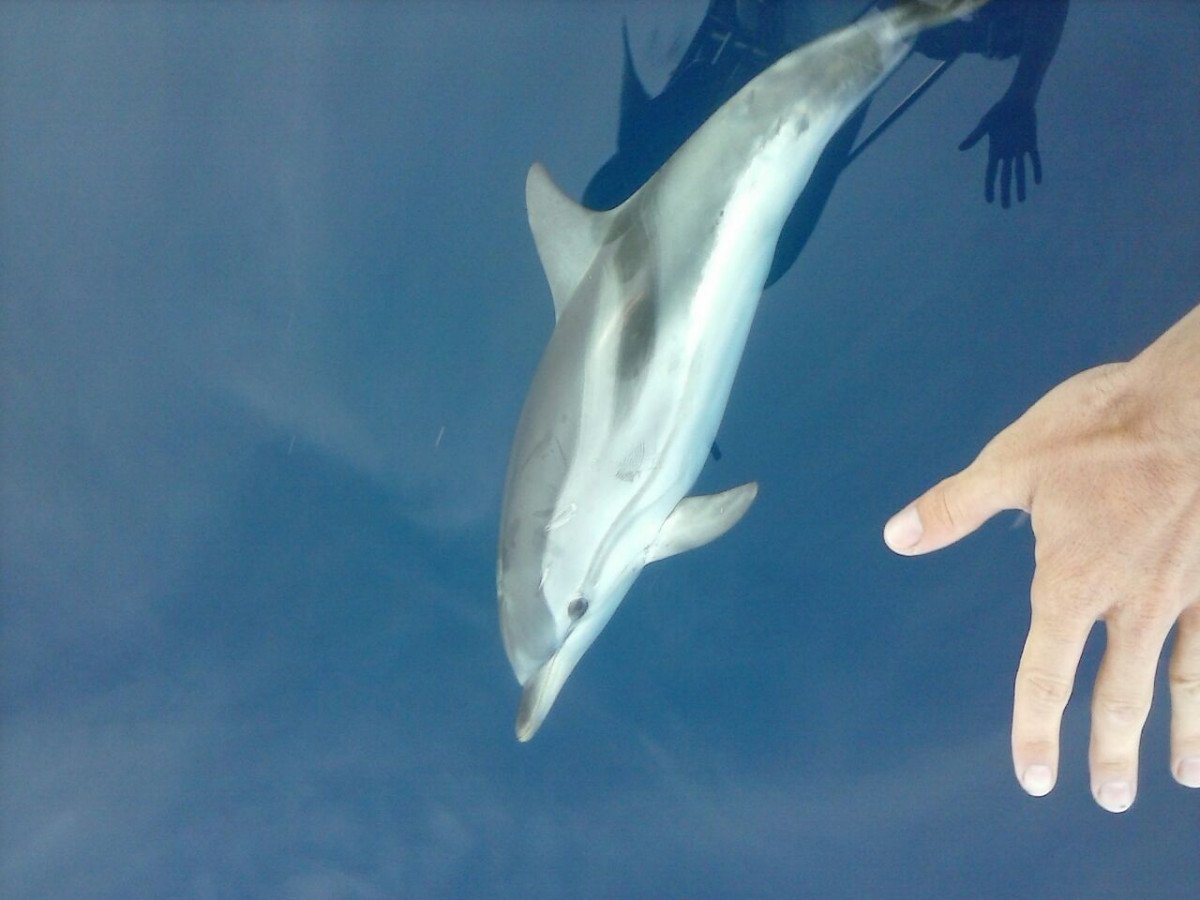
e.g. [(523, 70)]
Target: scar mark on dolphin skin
[(631, 466), (562, 517)]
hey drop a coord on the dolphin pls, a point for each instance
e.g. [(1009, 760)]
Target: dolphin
[(653, 301)]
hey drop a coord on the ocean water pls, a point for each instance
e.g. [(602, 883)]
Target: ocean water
[(270, 309)]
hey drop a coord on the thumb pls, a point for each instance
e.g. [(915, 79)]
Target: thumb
[(976, 133), (945, 513)]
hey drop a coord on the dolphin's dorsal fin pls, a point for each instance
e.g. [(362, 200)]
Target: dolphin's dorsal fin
[(635, 101), (700, 519), (567, 235)]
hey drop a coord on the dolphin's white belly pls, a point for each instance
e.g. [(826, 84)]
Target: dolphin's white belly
[(649, 442)]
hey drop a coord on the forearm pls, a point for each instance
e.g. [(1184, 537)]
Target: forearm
[(1181, 344), (1042, 30)]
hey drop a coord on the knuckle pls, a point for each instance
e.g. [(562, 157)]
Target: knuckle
[(1138, 626), (1121, 711), (1113, 765), (1045, 690), (1061, 593), (1034, 747), (1141, 625), (1185, 685), (948, 507)]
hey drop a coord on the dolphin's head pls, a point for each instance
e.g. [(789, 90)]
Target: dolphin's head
[(556, 595), (586, 619)]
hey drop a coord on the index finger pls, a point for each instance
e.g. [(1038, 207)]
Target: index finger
[(989, 177), (1045, 679)]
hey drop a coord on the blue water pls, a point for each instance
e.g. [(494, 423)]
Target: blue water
[(270, 308)]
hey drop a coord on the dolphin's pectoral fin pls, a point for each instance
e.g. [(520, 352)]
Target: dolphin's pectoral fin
[(567, 235), (698, 520)]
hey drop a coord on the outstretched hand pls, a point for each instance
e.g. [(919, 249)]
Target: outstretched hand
[(1108, 466), (1011, 127)]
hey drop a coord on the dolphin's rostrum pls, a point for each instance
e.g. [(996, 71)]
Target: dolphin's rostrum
[(653, 301)]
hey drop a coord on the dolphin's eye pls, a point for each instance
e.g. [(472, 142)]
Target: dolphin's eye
[(576, 608)]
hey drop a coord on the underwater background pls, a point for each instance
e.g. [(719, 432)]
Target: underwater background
[(270, 310)]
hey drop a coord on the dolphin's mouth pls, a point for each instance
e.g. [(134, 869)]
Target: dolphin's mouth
[(538, 695)]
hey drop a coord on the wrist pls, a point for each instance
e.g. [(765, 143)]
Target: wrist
[(1166, 375)]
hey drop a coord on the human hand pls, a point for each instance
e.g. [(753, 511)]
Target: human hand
[(1011, 127), (1108, 466)]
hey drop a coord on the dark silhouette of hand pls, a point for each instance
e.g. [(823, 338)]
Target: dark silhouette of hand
[(1011, 127)]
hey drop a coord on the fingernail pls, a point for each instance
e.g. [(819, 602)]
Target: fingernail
[(1115, 796), (1037, 780), (903, 530), (1187, 772)]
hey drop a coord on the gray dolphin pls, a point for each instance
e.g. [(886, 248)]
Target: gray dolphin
[(653, 301)]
